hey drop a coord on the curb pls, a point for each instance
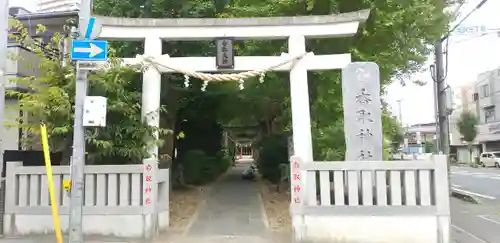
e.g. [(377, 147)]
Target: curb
[(464, 196)]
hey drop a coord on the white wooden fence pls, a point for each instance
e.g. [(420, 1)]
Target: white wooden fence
[(114, 199), (371, 201)]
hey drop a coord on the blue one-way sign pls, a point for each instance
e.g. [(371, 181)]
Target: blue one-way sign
[(89, 50)]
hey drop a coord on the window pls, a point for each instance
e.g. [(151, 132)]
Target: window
[(489, 114), (487, 155), (475, 97), (484, 90)]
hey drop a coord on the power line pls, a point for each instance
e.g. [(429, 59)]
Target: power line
[(457, 11), (477, 36), (446, 37), (439, 84), (478, 6)]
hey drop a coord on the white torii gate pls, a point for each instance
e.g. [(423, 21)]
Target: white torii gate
[(295, 29), (154, 31)]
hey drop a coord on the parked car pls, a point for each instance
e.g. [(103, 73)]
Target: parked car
[(489, 159)]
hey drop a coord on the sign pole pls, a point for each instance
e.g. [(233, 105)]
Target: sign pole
[(78, 160), (78, 156)]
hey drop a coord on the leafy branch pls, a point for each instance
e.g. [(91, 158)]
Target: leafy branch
[(49, 96)]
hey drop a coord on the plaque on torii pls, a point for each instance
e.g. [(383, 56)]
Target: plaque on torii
[(225, 53)]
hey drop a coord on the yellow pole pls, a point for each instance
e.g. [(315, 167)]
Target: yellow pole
[(50, 180)]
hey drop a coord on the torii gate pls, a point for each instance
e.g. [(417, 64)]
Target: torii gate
[(154, 31), (296, 29)]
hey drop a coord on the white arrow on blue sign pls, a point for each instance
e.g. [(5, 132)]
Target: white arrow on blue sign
[(89, 50)]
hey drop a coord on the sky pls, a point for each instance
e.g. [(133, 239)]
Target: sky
[(469, 55)]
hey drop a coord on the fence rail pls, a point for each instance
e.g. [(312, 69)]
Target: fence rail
[(367, 193), (108, 189), (122, 192), (370, 183)]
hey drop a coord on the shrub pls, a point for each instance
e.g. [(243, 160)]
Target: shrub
[(223, 161), (200, 168), (273, 151)]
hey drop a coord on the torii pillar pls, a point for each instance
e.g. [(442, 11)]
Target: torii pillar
[(295, 29)]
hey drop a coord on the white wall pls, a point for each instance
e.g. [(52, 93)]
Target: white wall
[(367, 229), (11, 133)]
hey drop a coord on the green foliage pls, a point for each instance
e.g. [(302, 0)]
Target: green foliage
[(197, 120), (273, 151), (125, 139), (329, 142), (393, 130), (223, 161), (397, 36), (429, 147), (467, 125), (51, 95), (200, 168)]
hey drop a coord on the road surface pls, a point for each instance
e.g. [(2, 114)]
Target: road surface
[(476, 223), (484, 183)]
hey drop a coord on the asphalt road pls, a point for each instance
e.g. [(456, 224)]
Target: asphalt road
[(476, 223), (484, 183)]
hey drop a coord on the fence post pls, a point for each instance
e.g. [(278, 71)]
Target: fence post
[(442, 197), (10, 196), (163, 207)]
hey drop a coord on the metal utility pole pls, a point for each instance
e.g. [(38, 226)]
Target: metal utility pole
[(436, 111), (4, 35), (442, 117), (441, 99), (78, 157)]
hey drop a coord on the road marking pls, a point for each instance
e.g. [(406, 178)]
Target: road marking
[(474, 194), (485, 217), (469, 233), (456, 186), (493, 176)]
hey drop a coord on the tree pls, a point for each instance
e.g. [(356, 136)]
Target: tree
[(125, 139), (393, 130), (398, 36), (467, 126)]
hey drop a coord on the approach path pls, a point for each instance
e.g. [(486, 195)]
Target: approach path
[(233, 212)]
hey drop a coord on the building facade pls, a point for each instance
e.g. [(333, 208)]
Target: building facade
[(420, 138), (488, 107), (19, 67), (481, 97), (58, 5), (464, 100)]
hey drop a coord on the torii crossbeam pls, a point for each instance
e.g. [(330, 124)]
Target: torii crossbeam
[(154, 31)]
